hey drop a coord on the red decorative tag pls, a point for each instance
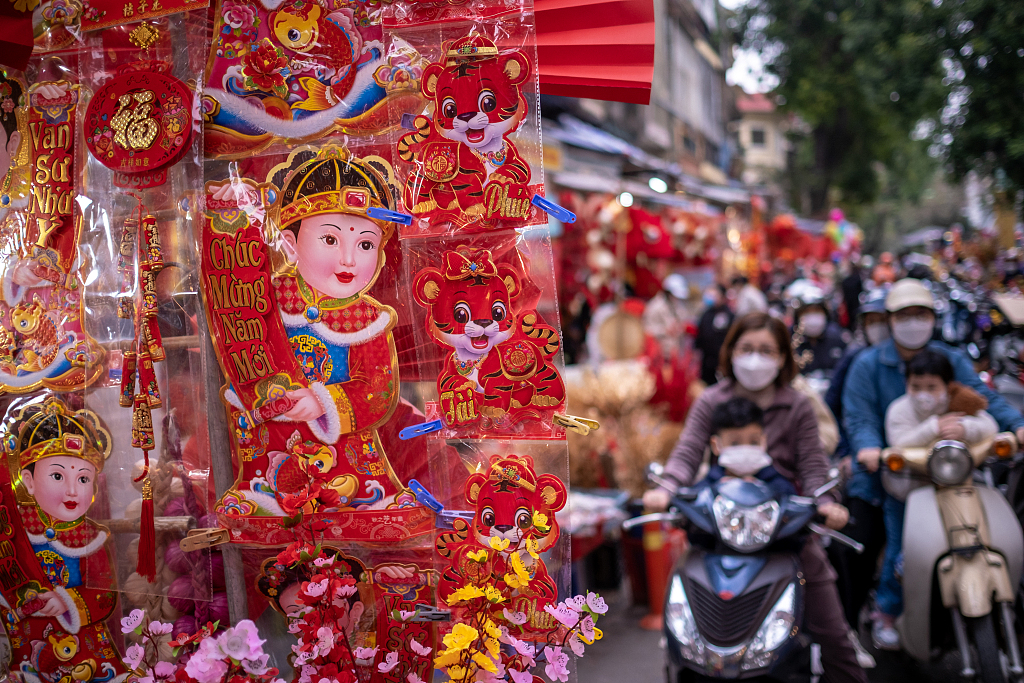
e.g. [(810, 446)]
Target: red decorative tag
[(138, 124), (102, 13)]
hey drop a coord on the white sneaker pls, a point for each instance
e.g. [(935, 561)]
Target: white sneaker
[(864, 657), (885, 637)]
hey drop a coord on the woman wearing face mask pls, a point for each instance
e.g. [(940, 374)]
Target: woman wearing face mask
[(757, 365), (819, 341)]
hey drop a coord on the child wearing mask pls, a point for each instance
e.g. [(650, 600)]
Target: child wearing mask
[(738, 443), (934, 408)]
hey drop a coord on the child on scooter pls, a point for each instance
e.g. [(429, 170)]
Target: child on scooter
[(738, 444), (934, 408)]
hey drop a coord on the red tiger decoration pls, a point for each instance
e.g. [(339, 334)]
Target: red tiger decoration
[(465, 152), (500, 363)]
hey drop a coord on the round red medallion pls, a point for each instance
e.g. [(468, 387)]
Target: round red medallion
[(139, 122)]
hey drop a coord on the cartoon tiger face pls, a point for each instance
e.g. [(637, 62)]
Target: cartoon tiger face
[(506, 496), (470, 301), (476, 92)]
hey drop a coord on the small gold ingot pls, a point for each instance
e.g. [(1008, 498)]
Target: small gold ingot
[(144, 36)]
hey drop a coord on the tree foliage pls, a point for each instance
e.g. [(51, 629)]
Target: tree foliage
[(861, 73)]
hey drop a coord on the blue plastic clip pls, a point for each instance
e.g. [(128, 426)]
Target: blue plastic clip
[(560, 212), (386, 215), (424, 497), (421, 429), (407, 121), (430, 613)]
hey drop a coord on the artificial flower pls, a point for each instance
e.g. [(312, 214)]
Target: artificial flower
[(164, 670), (389, 663), (478, 555), (596, 603), (421, 650), (315, 589), (493, 594), (520, 676), (587, 628), (532, 547), (160, 628), (517, 618), (132, 621), (485, 662), (133, 656), (207, 664), (465, 593), (325, 634), (346, 591), (406, 615), (522, 575), (461, 637), (324, 561), (576, 645), (498, 544), (557, 664), (241, 641), (540, 522), (413, 678), (567, 616), (365, 652), (258, 666), (576, 602)]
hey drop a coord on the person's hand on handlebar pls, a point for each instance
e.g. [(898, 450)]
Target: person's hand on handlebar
[(869, 458), (656, 500), (836, 515)]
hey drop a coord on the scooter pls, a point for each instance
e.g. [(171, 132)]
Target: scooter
[(964, 548), (734, 608)]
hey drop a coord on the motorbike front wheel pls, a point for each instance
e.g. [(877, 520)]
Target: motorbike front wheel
[(983, 633)]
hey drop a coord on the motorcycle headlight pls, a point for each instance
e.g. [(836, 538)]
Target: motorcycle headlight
[(950, 463), (774, 631), (745, 528), (681, 624)]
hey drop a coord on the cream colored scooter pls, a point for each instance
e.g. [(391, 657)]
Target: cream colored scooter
[(967, 539)]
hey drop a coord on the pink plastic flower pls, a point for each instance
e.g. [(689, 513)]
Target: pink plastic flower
[(316, 589), (160, 628), (596, 603), (587, 627), (325, 636), (365, 652), (257, 666), (576, 645), (346, 591), (421, 650), (241, 642), (133, 656), (567, 616), (526, 650), (520, 676), (132, 621), (164, 670), (576, 603), (207, 665), (557, 666), (389, 663), (324, 561), (517, 618), (413, 678)]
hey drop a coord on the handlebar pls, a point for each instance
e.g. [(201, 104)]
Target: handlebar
[(836, 536), (653, 517)]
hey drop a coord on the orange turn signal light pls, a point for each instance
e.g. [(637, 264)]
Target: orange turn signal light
[(895, 462), (1003, 448)]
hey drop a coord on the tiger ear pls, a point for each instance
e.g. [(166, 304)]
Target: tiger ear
[(516, 66), (428, 84), (552, 491), (474, 485), (511, 279), (427, 286)]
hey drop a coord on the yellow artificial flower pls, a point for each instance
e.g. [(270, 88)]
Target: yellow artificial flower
[(522, 575), (485, 662), (532, 547), (457, 673), (540, 520), (478, 555), (493, 646), (492, 629), (465, 593), (498, 544), (448, 658), (512, 582), (461, 637), (493, 594)]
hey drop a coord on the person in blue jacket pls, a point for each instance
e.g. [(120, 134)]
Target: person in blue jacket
[(876, 379)]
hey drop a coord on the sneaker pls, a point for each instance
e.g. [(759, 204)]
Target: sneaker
[(864, 657), (885, 637)]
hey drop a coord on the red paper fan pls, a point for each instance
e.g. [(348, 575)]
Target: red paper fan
[(602, 49)]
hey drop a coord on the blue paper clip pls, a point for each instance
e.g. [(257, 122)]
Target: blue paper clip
[(424, 497), (421, 429), (560, 212), (386, 215)]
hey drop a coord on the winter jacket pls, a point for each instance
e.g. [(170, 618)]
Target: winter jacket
[(906, 428)]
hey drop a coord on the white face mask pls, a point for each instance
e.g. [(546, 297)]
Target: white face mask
[(913, 333), (876, 333), (754, 371), (926, 403), (813, 324), (743, 461)]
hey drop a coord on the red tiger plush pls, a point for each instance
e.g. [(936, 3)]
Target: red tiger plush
[(501, 361), (477, 103), (504, 499)]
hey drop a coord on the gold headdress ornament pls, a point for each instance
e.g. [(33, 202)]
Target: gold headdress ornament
[(330, 180), (513, 471), (473, 46), (51, 428)]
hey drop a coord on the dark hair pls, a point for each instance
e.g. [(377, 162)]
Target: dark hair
[(735, 413), (928, 362), (759, 321)]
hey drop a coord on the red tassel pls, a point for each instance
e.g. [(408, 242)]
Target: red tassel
[(147, 537)]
